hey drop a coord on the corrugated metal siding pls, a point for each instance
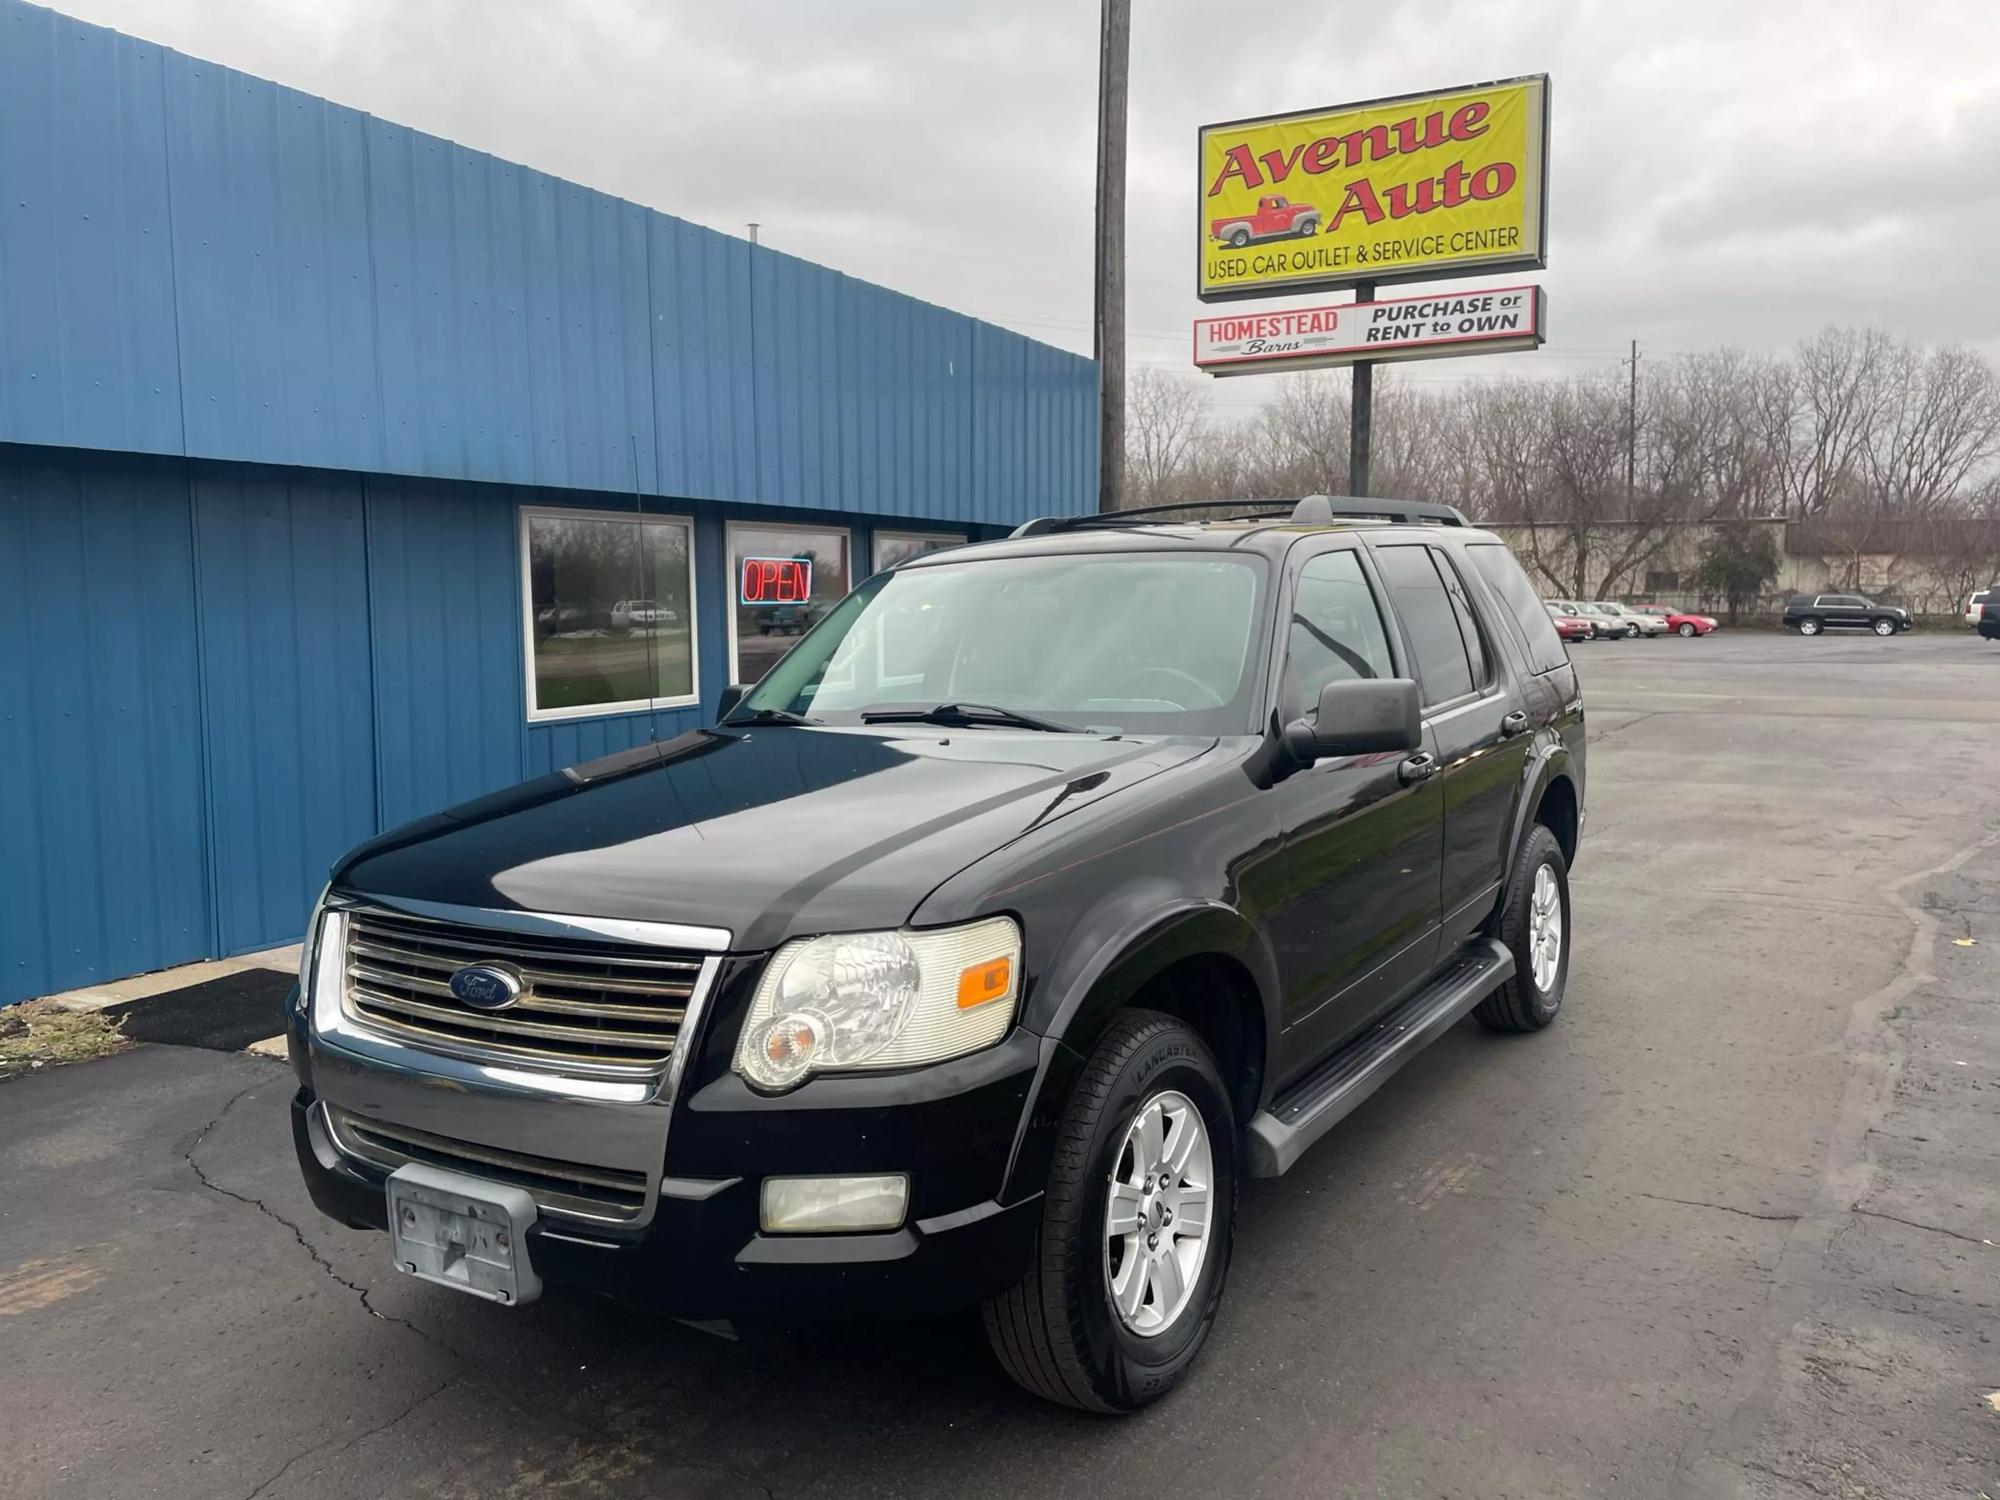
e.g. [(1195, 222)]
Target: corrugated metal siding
[(282, 574), (195, 261), (102, 845)]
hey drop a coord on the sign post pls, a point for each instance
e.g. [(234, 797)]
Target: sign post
[(1415, 187)]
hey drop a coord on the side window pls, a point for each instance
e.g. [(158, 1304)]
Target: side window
[(1336, 632), (1429, 619), (1468, 622), (1504, 576)]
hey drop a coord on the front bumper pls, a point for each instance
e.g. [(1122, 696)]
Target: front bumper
[(695, 1248)]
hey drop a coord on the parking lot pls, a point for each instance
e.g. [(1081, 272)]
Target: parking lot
[(1728, 1228)]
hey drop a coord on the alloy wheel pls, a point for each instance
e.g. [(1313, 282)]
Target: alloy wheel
[(1156, 1215), (1545, 929)]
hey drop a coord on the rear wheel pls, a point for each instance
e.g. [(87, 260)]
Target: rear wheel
[(1238, 238), (1685, 629), (1885, 627), (1535, 927), (1136, 1226), (1809, 627)]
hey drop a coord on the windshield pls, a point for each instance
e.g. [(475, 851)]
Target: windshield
[(1151, 642)]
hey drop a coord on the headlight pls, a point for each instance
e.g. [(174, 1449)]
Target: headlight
[(306, 947), (880, 1000)]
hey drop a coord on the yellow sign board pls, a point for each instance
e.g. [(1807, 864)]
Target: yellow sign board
[(1403, 189)]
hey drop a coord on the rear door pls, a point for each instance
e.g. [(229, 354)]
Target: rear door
[(1844, 609), (1478, 715)]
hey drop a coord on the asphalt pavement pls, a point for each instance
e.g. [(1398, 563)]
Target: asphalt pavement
[(1727, 1229)]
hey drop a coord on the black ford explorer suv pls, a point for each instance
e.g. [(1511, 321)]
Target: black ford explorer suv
[(1044, 890)]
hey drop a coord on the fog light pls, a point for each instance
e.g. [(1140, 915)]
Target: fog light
[(828, 1205)]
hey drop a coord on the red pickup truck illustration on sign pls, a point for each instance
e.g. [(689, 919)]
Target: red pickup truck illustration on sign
[(1276, 216)]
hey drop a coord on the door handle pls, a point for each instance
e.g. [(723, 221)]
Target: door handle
[(1515, 723), (1419, 767)]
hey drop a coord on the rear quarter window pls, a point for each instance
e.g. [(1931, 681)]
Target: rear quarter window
[(1503, 575)]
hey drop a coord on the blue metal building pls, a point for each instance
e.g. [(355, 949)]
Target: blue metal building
[(320, 440)]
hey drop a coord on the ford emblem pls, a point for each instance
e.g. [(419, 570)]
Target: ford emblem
[(486, 986)]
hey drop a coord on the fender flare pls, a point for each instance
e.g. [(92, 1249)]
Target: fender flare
[(1109, 957), (1551, 763)]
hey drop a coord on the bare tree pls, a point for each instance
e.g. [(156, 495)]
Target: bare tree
[(1303, 435), (1937, 425), (1840, 376), (1166, 415)]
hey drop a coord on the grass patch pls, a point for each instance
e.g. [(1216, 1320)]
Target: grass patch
[(40, 1034)]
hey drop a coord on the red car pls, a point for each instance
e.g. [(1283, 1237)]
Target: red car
[(1678, 622), (1276, 216), (1570, 627)]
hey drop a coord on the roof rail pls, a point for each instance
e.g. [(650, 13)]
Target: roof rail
[(1313, 510)]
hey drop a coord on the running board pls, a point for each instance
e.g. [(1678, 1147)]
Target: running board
[(1311, 1107)]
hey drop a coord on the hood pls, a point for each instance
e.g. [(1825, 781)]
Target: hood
[(769, 832)]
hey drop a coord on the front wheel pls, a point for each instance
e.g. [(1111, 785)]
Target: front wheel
[(1136, 1226), (1808, 627), (1686, 630), (1535, 927), (1885, 627)]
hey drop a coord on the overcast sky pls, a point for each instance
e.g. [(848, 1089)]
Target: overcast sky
[(1724, 171)]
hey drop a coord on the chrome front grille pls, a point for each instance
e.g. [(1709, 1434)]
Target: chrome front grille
[(595, 1004), (569, 1189)]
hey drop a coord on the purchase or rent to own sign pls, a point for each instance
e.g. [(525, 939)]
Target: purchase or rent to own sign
[(1482, 322), (776, 580), (1414, 187)]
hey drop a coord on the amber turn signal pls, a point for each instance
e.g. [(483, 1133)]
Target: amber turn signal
[(984, 982)]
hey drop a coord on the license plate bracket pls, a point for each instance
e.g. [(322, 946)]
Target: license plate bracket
[(462, 1232)]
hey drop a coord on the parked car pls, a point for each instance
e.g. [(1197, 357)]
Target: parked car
[(785, 619), (1608, 623), (1570, 627), (1642, 623), (1989, 620), (635, 614), (1809, 614), (1973, 604), (975, 973), (1275, 218), (1599, 626), (1679, 621)]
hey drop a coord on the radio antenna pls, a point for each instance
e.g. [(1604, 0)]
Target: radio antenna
[(642, 594)]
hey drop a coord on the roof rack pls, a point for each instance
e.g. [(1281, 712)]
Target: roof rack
[(1313, 510)]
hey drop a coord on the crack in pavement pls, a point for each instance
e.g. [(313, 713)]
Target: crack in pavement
[(1874, 1213), (1723, 1207), (342, 1444)]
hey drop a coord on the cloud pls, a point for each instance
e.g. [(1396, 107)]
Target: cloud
[(1722, 172)]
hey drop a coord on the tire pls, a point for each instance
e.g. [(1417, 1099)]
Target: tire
[(1809, 627), (1523, 1003), (1238, 238), (1056, 1332), (1686, 630), (1308, 227), (1885, 627)]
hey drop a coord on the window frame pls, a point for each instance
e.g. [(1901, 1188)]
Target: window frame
[(1279, 660), (731, 578), (876, 538), (1457, 701), (527, 515)]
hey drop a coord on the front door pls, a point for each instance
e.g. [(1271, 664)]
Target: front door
[(1354, 923), (1479, 722)]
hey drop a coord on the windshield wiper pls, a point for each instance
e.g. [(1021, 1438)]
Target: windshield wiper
[(966, 714), (769, 716)]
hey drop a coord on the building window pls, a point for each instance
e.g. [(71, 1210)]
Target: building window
[(783, 580), (610, 612), (1660, 581), (893, 547)]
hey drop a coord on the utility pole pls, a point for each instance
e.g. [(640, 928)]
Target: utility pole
[(1108, 325), (1361, 411), (1631, 428)]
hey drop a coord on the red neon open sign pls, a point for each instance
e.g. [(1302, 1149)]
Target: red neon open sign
[(775, 580)]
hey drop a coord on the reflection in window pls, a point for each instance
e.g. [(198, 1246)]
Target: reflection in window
[(783, 580), (610, 612), (894, 547)]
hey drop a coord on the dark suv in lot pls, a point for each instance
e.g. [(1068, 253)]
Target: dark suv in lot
[(1809, 614), (1045, 890)]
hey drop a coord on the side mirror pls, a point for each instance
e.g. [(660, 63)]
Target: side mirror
[(731, 696), (1366, 717)]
